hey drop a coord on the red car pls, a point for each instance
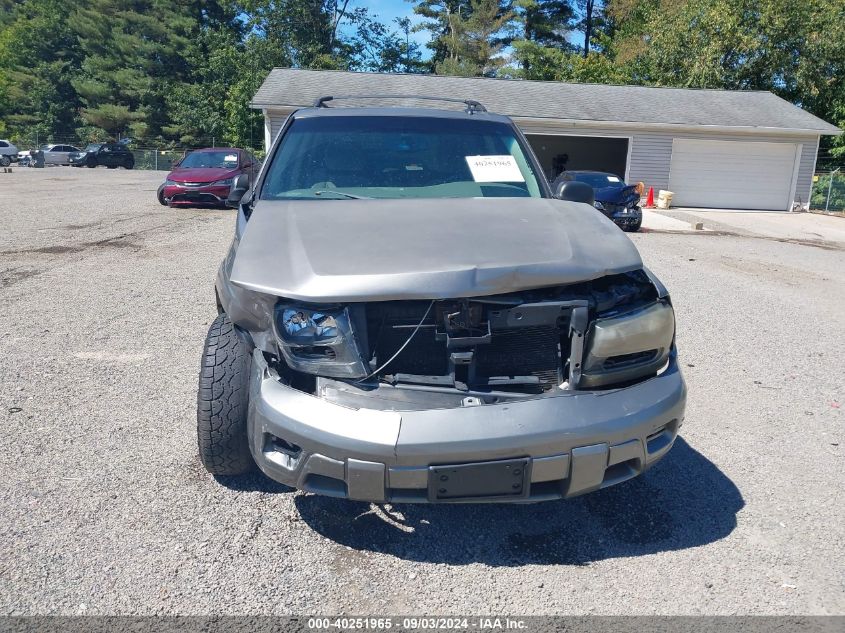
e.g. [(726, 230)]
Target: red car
[(205, 175)]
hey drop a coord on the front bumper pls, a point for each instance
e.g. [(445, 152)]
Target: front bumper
[(628, 217), (208, 194), (575, 442)]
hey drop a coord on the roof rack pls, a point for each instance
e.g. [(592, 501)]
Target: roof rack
[(472, 106)]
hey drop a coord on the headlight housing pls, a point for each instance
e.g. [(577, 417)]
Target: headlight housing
[(628, 346), (170, 183), (598, 205), (318, 340), (225, 182)]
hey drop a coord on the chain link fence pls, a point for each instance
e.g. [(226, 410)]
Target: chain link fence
[(160, 159), (146, 157), (828, 193)]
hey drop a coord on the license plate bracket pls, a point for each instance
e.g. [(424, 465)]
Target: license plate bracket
[(480, 481)]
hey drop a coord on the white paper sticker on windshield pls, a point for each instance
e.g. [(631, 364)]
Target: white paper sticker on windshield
[(494, 168), (613, 179), (231, 158)]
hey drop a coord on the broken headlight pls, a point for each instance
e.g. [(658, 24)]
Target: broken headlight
[(318, 341), (628, 346)]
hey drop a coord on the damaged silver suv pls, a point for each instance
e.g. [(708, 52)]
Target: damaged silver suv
[(406, 314)]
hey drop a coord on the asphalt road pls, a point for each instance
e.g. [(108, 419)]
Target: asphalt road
[(105, 298)]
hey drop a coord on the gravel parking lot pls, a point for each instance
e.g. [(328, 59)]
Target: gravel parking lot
[(105, 298)]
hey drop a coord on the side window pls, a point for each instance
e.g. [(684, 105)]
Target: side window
[(4, 144)]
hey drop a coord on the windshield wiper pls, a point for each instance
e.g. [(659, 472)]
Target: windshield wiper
[(341, 193)]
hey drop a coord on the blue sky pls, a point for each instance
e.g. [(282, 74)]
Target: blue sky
[(387, 10)]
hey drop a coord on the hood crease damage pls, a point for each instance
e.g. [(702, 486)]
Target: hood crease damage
[(366, 250)]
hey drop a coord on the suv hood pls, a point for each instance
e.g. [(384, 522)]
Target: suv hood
[(201, 174), (376, 250)]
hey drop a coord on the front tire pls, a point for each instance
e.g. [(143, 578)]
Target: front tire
[(222, 401), (160, 195), (5, 161)]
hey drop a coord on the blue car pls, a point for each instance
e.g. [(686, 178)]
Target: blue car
[(617, 200)]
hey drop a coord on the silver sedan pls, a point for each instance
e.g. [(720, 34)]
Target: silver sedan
[(55, 154)]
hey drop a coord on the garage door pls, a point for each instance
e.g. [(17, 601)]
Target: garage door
[(733, 174)]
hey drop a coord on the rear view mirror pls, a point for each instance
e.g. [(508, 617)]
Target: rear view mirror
[(575, 191), (237, 191)]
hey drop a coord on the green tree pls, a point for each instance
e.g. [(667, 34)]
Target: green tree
[(440, 18), (794, 49), (590, 13), (39, 56), (546, 22), (135, 53), (378, 48), (553, 64), (467, 37), (300, 33)]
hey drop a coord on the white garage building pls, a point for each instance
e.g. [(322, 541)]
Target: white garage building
[(713, 148)]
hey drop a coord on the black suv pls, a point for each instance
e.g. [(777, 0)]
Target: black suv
[(112, 155)]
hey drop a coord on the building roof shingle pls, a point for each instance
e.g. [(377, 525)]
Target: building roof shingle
[(638, 105)]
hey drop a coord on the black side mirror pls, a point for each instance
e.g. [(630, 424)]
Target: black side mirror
[(237, 191), (575, 191)]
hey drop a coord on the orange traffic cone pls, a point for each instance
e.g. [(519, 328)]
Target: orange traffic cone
[(649, 201)]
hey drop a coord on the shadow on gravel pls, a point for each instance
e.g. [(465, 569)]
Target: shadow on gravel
[(684, 501), (255, 482)]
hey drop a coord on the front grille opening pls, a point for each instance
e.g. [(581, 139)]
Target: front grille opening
[(529, 351), (424, 355), (509, 359)]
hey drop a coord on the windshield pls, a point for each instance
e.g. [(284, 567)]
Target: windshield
[(343, 157), (596, 180), (93, 147), (223, 160)]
